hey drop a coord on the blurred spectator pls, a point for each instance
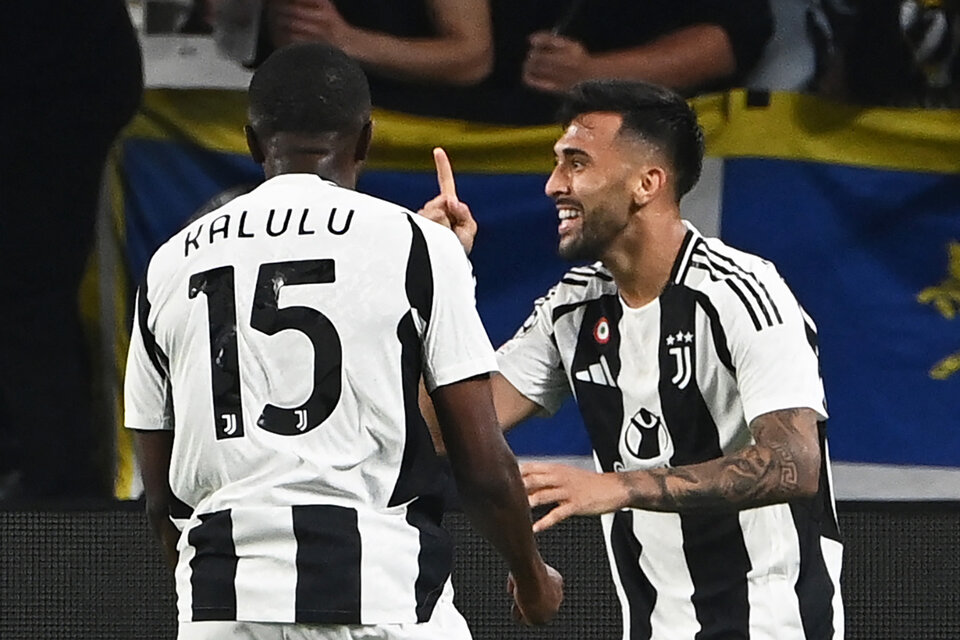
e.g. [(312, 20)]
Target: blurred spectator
[(691, 46), (788, 62), (445, 42), (900, 53), (72, 79)]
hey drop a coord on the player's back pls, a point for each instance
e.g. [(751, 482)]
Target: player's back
[(280, 316)]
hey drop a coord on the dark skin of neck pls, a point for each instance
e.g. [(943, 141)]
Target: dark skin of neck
[(334, 156)]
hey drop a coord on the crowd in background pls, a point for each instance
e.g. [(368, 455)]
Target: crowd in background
[(497, 61)]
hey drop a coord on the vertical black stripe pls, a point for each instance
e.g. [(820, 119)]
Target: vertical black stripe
[(419, 281), (815, 518), (640, 593), (328, 564), (600, 405), (214, 568), (678, 263), (157, 357), (713, 544), (716, 328), (420, 470), (436, 553)]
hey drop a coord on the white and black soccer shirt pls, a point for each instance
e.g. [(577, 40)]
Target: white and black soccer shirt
[(676, 382), (282, 337)]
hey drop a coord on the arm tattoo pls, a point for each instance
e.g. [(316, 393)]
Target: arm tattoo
[(765, 473)]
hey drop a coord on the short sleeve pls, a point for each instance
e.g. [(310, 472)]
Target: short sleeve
[(777, 366), (455, 344), (146, 389), (531, 361)]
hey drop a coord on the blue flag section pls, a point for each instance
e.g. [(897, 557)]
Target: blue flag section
[(858, 246), (859, 209)]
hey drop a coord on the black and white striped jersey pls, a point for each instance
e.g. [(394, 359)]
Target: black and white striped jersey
[(282, 337), (676, 382)]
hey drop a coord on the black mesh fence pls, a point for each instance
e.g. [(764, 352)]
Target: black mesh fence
[(98, 575)]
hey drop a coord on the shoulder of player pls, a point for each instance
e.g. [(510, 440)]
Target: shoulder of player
[(580, 285), (736, 283)]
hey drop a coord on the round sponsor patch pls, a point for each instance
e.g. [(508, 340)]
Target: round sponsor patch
[(601, 331)]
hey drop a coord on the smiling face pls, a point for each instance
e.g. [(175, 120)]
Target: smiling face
[(593, 185)]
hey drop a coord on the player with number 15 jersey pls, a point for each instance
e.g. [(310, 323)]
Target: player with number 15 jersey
[(281, 337)]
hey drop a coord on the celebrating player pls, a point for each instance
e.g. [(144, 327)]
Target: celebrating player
[(272, 385), (696, 373)]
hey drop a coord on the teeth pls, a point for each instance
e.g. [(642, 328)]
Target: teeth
[(566, 214)]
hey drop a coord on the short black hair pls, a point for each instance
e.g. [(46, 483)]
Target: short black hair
[(651, 112), (308, 88)]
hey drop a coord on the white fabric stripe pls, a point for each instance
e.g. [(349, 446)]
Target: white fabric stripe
[(267, 552), (765, 317), (833, 558), (763, 295), (182, 576), (606, 523), (663, 561), (389, 556), (736, 282), (774, 551)]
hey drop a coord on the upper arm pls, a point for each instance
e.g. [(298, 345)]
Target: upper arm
[(154, 451), (146, 387), (793, 435), (773, 348), (454, 341), (468, 423), (468, 19)]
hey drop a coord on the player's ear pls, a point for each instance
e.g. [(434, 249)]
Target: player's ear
[(649, 183), (363, 142), (253, 143)]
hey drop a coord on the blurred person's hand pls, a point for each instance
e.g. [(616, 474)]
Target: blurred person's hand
[(555, 63), (291, 21), (446, 208)]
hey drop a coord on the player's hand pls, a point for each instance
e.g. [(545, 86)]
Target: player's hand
[(575, 492), (537, 602), (446, 208)]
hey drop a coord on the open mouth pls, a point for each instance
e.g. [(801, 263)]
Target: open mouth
[(568, 218)]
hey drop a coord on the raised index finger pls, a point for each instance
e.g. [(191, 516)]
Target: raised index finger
[(444, 173)]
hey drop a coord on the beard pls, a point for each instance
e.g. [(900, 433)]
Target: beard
[(596, 233)]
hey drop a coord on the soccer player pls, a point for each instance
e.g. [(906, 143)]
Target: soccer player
[(696, 373), (272, 384)]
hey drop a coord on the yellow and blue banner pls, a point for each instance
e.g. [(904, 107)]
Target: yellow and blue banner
[(859, 209)]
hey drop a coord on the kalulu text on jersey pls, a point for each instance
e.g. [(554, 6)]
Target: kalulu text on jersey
[(276, 224)]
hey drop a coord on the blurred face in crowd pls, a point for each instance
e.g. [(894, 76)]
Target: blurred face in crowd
[(592, 185)]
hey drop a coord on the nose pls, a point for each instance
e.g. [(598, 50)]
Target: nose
[(556, 184)]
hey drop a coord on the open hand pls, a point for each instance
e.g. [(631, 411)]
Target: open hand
[(446, 208), (575, 492)]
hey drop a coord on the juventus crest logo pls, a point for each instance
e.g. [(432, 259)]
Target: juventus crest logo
[(681, 348)]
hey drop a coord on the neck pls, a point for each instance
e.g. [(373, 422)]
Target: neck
[(642, 260), (322, 155)]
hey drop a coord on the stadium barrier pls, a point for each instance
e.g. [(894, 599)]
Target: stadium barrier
[(97, 574)]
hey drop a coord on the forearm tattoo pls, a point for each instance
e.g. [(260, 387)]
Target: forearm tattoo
[(767, 472)]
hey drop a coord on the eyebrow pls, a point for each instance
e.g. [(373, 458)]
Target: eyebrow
[(571, 151)]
